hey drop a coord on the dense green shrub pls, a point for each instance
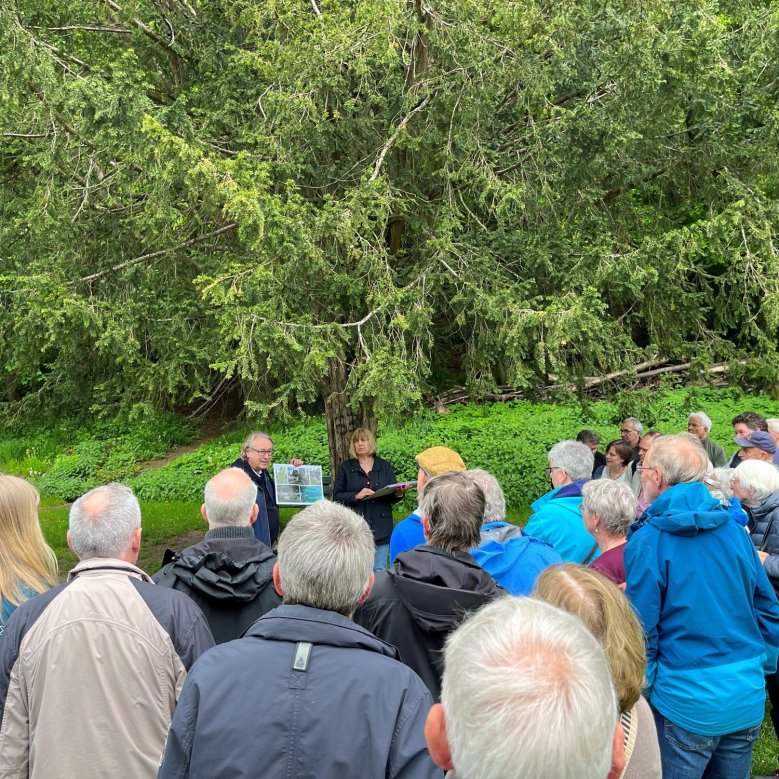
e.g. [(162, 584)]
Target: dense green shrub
[(510, 440), (64, 460)]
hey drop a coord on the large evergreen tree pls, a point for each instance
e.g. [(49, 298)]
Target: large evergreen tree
[(356, 201)]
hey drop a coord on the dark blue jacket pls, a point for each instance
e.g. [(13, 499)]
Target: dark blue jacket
[(266, 527), (764, 529), (332, 700), (709, 612)]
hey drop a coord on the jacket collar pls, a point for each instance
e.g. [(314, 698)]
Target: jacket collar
[(96, 565), (303, 623)]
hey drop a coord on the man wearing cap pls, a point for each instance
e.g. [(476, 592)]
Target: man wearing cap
[(432, 462), (758, 445)]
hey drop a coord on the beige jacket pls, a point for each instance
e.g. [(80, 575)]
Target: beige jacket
[(90, 673)]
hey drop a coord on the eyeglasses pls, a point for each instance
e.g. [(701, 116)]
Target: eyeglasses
[(645, 468), (627, 430), (261, 452), (552, 468)]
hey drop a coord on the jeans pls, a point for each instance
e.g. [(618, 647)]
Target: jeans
[(687, 755), (380, 559)]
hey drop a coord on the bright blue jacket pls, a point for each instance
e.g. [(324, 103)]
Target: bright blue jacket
[(512, 557), (407, 534), (557, 520), (709, 612)]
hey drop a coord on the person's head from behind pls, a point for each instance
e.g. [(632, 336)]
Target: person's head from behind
[(608, 615), (754, 481), (106, 522), (325, 559), (719, 482), (435, 461), (672, 460), (25, 558), (569, 461), (230, 500), (608, 507), (526, 692), (494, 499), (452, 511), (362, 443)]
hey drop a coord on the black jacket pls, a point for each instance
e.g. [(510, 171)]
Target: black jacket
[(268, 516), (420, 600), (350, 479), (764, 530), (229, 574)]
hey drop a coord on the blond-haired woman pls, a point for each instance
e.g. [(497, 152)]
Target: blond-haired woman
[(356, 481), (607, 613), (27, 564)]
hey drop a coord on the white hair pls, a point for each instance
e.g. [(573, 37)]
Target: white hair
[(249, 440), (637, 426), (494, 499), (326, 558), (527, 691), (224, 506), (773, 424), (721, 479), (758, 477), (705, 421), (680, 458), (575, 458), (613, 501), (102, 521)]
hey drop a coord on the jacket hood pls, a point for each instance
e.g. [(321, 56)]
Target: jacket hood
[(303, 623), (499, 532), (437, 588), (566, 494), (686, 510), (237, 573)]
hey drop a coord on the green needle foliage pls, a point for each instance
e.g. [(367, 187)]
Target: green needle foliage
[(299, 199)]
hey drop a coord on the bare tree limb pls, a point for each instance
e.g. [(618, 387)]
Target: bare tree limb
[(316, 9), (159, 253), (394, 137), (87, 27)]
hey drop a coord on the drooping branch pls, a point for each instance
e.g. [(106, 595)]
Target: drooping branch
[(159, 253), (394, 137)]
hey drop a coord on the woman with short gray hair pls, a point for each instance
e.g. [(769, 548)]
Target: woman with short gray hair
[(608, 509)]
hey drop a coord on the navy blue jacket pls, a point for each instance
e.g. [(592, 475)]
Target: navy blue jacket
[(764, 529), (350, 479), (333, 701), (266, 527)]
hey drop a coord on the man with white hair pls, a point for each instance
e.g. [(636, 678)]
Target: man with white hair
[(527, 692), (229, 574), (90, 671), (306, 692), (709, 613), (699, 425), (556, 517), (512, 557)]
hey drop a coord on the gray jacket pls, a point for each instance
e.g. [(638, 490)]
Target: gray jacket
[(305, 694), (90, 673)]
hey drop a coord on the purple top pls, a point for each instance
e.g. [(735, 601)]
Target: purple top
[(612, 564)]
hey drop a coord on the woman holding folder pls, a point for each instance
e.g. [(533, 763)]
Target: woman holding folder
[(356, 481)]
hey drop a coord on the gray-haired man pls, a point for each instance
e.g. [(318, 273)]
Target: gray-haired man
[(94, 668), (306, 692)]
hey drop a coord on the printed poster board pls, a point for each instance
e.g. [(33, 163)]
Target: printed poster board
[(298, 485)]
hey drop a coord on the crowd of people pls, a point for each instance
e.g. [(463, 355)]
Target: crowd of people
[(630, 629)]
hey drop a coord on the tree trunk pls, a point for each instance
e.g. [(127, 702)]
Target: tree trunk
[(341, 419)]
